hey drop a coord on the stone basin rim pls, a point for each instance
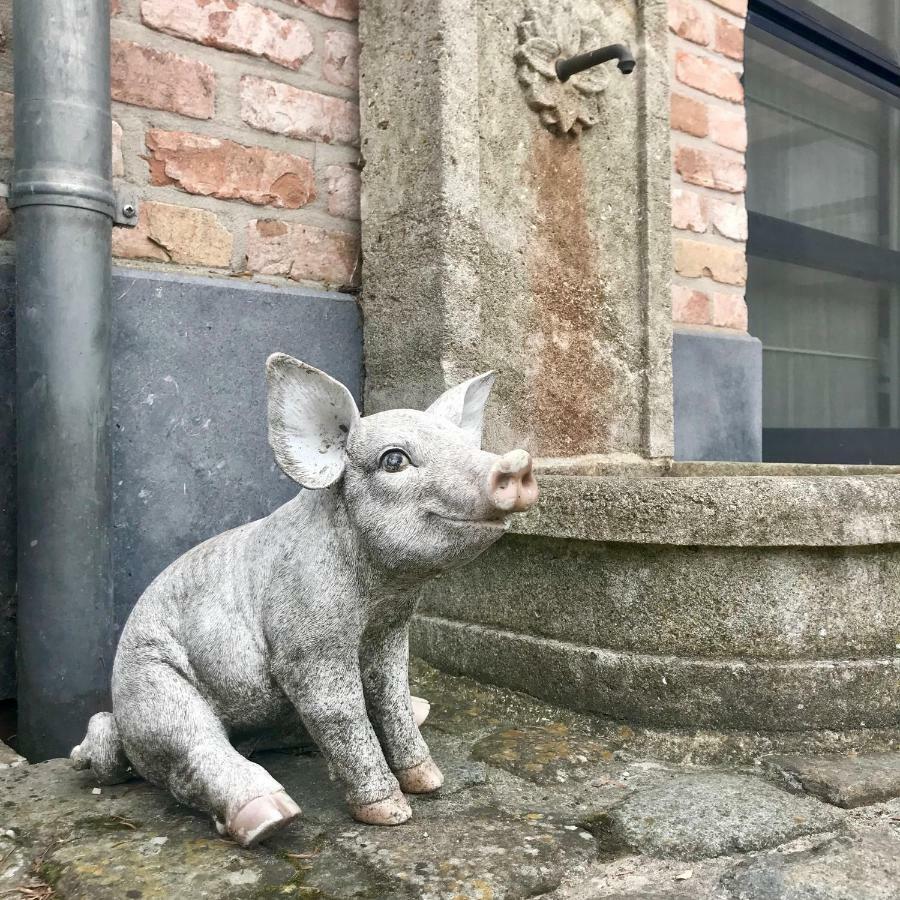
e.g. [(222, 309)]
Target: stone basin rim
[(748, 510)]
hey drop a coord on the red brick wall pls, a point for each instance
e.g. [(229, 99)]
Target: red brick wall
[(237, 123), (709, 138)]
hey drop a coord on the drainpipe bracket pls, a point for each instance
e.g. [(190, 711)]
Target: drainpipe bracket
[(127, 208)]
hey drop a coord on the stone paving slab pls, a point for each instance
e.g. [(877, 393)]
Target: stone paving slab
[(863, 867), (527, 785), (711, 814), (848, 781)]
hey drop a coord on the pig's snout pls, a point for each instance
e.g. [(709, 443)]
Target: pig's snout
[(511, 483)]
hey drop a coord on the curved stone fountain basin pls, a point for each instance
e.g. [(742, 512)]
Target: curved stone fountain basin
[(725, 596)]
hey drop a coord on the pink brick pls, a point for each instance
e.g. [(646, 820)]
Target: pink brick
[(708, 76), (284, 109), (710, 169), (690, 307), (340, 64), (343, 191), (229, 25), (728, 127), (729, 39), (689, 115), (7, 102), (161, 80), (230, 171), (6, 221), (689, 211), (115, 7), (698, 259), (301, 252), (118, 160), (336, 9), (178, 234), (687, 21), (728, 219), (729, 311)]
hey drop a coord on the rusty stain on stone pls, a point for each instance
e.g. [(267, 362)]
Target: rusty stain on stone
[(572, 384)]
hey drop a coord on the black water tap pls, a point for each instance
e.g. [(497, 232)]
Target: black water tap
[(566, 68)]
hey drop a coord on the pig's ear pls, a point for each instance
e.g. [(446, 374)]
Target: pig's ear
[(464, 404), (310, 416)]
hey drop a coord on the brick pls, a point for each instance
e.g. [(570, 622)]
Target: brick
[(728, 219), (728, 127), (6, 221), (696, 259), (689, 115), (230, 171), (343, 191), (686, 20), (690, 307), (729, 311), (118, 160), (708, 76), (178, 234), (729, 39), (229, 25), (335, 9), (284, 109), (115, 7), (301, 252), (710, 169), (689, 211), (340, 63), (7, 102), (158, 79), (738, 7)]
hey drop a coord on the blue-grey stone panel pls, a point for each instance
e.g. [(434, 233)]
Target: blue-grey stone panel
[(717, 384), (190, 452)]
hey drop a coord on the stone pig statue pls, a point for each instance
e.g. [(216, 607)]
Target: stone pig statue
[(301, 618)]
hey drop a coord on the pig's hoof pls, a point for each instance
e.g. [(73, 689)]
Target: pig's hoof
[(421, 779), (260, 818), (420, 709), (393, 810)]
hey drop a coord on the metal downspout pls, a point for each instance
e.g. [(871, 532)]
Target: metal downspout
[(64, 204)]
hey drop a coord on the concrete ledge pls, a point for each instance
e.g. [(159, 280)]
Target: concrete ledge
[(668, 690), (724, 511)]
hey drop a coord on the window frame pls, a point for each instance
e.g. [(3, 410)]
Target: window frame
[(871, 66)]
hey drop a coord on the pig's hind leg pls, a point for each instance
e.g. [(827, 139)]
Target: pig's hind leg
[(175, 739)]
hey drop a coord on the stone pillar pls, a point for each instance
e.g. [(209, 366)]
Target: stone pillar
[(515, 223)]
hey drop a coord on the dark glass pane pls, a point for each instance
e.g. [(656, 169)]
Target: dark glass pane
[(879, 19), (830, 346), (823, 152)]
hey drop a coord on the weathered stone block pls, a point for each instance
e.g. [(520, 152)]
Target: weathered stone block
[(699, 816), (861, 867), (848, 781)]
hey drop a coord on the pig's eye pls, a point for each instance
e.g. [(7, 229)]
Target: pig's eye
[(394, 461)]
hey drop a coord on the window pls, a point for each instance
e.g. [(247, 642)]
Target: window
[(823, 114)]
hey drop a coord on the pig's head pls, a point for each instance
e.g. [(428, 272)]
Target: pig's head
[(421, 493)]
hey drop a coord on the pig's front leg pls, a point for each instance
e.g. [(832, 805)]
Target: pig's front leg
[(385, 672), (328, 694)]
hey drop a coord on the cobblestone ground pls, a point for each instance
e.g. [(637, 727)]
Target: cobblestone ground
[(537, 802)]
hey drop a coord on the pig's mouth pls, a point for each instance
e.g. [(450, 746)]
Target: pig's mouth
[(493, 524)]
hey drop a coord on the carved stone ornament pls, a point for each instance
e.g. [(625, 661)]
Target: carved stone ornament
[(550, 31)]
